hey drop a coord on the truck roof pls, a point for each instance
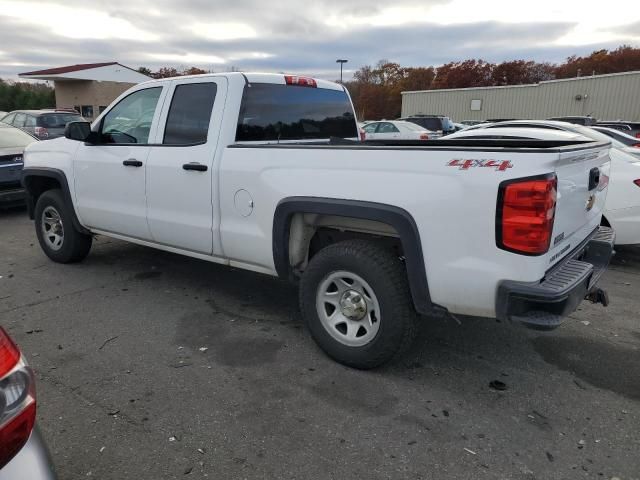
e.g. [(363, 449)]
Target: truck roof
[(259, 77)]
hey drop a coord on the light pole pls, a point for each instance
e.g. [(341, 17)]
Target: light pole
[(341, 61)]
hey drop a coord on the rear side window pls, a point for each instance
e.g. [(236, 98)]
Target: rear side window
[(190, 113), (289, 112), (19, 120)]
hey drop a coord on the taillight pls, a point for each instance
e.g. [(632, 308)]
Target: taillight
[(424, 136), (638, 135), (363, 135), (300, 81), (637, 182), (41, 132), (525, 214), (17, 400), (637, 145)]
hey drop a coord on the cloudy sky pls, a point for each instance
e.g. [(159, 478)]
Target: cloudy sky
[(304, 36)]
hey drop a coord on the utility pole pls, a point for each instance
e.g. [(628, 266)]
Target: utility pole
[(341, 61)]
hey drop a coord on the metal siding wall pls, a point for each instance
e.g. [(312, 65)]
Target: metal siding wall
[(609, 97)]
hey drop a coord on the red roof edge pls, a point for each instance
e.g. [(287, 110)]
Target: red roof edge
[(70, 68)]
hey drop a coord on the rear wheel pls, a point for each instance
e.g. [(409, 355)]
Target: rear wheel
[(355, 299), (57, 236)]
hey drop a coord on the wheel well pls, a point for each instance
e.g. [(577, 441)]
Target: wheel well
[(303, 225), (37, 185), (310, 233)]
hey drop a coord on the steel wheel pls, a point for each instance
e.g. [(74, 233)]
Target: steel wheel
[(52, 228), (348, 308)]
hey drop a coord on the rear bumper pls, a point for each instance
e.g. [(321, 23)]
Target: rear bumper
[(544, 304)]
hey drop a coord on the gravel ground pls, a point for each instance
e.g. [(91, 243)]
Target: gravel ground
[(154, 366)]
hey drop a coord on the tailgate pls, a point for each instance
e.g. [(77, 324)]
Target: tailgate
[(582, 190)]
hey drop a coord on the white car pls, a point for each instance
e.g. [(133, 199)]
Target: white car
[(256, 171), (396, 130), (623, 140), (594, 132), (622, 207)]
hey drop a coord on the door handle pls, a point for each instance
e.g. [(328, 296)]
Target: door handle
[(198, 167), (132, 162)]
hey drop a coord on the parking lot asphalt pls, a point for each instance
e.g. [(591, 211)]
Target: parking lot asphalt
[(150, 365)]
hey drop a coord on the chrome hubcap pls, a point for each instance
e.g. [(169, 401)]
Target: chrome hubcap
[(52, 228), (352, 305), (348, 308)]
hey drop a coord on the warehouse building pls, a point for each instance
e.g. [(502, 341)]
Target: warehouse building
[(605, 97), (90, 87)]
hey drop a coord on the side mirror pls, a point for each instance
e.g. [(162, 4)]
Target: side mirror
[(80, 131)]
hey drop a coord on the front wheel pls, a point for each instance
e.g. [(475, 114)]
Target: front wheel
[(57, 236), (355, 299)]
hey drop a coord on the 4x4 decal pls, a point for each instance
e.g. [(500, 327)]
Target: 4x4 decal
[(466, 164)]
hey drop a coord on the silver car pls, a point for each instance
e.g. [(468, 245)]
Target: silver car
[(44, 124), (23, 454)]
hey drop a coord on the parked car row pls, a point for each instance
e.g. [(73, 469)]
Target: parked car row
[(44, 124), (12, 144)]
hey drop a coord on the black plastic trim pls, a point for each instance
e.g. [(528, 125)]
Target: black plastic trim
[(499, 204), (519, 146), (544, 304), (56, 174), (397, 217)]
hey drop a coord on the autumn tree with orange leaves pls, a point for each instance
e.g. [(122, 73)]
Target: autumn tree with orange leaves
[(376, 91)]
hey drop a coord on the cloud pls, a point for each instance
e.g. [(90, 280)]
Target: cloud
[(292, 36)]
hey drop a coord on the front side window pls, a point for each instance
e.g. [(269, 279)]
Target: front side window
[(30, 121), (371, 128), (190, 113), (130, 120), (275, 112)]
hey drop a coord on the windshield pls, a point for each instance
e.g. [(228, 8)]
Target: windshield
[(58, 120), (14, 138)]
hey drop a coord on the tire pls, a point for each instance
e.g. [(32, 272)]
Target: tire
[(58, 237), (331, 310)]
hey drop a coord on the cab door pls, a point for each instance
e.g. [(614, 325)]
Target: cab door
[(110, 175), (182, 178)]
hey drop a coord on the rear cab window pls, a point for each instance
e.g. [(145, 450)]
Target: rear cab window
[(278, 112)]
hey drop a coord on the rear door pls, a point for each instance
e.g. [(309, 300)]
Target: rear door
[(387, 131), (181, 172)]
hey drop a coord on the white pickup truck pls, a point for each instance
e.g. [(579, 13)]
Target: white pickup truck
[(264, 172)]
